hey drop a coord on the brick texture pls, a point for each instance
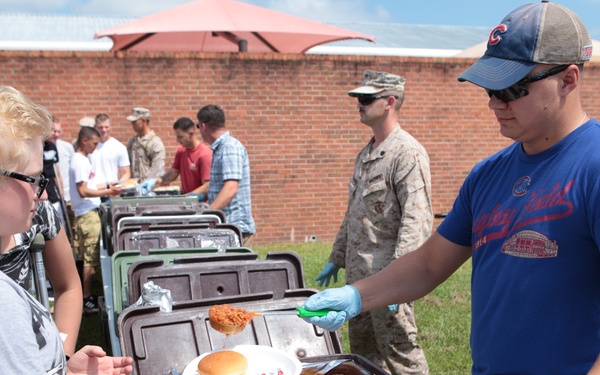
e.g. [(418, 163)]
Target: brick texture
[(291, 111)]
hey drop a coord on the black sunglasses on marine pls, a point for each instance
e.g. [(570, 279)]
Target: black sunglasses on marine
[(518, 90), (368, 99)]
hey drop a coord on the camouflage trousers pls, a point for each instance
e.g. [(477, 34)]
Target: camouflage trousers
[(86, 238), (388, 338)]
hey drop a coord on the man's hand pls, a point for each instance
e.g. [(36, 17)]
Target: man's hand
[(148, 185), (330, 270), (345, 301), (93, 360)]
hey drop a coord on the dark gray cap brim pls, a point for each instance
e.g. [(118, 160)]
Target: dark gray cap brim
[(496, 74)]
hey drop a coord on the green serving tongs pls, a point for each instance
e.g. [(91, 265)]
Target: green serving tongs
[(298, 311)]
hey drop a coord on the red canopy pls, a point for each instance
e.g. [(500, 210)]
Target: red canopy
[(224, 26)]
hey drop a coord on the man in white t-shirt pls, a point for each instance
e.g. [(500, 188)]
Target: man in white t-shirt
[(85, 199), (110, 161)]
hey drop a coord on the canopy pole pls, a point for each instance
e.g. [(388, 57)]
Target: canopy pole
[(135, 42), (243, 45)]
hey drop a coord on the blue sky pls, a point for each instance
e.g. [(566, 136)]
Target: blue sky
[(428, 12)]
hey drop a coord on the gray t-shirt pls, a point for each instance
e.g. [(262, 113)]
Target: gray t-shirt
[(29, 340)]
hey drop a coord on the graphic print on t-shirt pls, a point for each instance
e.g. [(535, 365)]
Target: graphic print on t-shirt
[(509, 221)]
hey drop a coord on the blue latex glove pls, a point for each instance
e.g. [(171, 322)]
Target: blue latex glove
[(329, 270), (147, 185), (345, 300), (201, 197)]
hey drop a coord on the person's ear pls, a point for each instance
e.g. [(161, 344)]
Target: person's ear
[(570, 79)]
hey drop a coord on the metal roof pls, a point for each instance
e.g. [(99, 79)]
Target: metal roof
[(32, 31)]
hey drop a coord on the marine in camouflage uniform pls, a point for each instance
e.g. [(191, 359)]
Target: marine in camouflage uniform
[(389, 214), (146, 150)]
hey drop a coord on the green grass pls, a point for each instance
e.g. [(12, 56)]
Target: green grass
[(443, 317)]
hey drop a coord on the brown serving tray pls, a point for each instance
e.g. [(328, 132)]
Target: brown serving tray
[(209, 276)]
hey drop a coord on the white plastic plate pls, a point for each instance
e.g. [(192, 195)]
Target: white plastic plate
[(262, 359)]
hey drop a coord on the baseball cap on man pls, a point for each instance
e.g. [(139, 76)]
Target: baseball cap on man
[(376, 82), (87, 121), (138, 113), (536, 33)]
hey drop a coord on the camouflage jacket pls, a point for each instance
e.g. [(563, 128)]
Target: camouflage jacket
[(389, 206)]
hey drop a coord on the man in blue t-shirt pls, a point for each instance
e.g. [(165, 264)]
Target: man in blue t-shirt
[(529, 216)]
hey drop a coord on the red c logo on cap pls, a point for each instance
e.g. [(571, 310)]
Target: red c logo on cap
[(494, 37)]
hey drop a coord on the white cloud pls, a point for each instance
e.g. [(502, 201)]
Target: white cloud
[(135, 8), (34, 6), (325, 10)]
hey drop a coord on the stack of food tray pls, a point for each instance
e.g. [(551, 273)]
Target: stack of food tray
[(156, 227)]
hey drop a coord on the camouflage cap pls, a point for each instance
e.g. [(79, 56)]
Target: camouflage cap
[(138, 113), (375, 82), (87, 121)]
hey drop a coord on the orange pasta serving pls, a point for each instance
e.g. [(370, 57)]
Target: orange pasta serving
[(229, 319)]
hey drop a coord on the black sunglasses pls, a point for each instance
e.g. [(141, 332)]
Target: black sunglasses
[(368, 99), (41, 182), (518, 90)]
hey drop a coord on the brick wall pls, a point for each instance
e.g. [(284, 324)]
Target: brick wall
[(291, 111)]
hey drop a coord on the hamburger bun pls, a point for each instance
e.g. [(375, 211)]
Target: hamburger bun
[(127, 184), (223, 362)]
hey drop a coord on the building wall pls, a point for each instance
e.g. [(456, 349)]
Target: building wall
[(291, 111)]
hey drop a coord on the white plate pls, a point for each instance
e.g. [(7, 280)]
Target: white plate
[(131, 187), (262, 359), (128, 186)]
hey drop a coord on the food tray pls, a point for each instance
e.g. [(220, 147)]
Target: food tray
[(165, 237), (122, 260), (183, 220), (117, 208), (353, 364), (160, 341), (196, 278), (153, 223)]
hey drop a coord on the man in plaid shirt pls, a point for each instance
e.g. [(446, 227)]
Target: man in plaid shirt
[(229, 188)]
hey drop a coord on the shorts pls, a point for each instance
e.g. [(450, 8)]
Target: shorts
[(247, 239), (86, 238)]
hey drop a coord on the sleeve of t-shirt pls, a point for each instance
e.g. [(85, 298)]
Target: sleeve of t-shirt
[(457, 226), (123, 157), (232, 162), (48, 220), (82, 170)]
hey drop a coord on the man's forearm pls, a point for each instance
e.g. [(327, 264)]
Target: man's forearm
[(225, 196)]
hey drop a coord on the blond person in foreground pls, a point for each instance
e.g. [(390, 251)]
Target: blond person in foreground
[(29, 340), (528, 216)]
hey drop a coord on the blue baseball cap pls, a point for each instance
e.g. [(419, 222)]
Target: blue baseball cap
[(537, 33)]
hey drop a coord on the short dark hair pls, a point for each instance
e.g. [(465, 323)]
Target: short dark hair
[(87, 132), (212, 115), (184, 124)]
